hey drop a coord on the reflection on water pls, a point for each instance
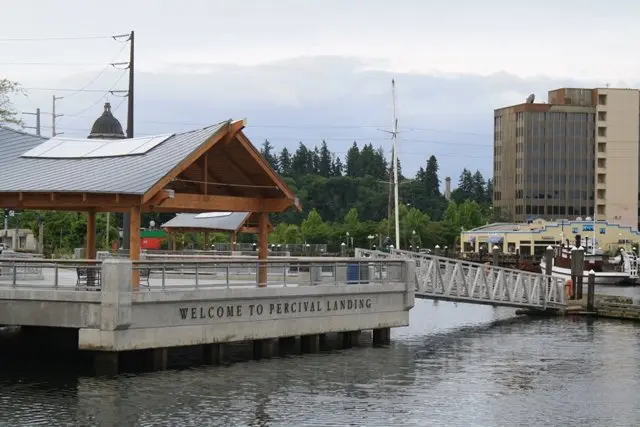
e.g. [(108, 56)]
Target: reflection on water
[(459, 365)]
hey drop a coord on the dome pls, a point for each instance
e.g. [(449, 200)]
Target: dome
[(107, 126)]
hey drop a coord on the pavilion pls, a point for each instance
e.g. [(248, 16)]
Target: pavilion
[(215, 168), (222, 222)]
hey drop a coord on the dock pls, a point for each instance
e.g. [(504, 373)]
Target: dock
[(207, 304)]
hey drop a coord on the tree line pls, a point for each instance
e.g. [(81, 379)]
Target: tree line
[(339, 196)]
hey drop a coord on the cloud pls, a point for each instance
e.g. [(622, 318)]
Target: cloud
[(309, 99)]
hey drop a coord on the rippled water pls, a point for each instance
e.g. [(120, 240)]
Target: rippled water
[(458, 365)]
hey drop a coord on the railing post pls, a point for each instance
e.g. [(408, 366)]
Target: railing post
[(164, 269), (55, 275), (197, 278), (228, 273), (548, 259), (591, 286), (15, 274)]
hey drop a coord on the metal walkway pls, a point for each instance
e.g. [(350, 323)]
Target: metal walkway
[(446, 279)]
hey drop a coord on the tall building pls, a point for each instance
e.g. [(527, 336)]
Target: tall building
[(568, 157)]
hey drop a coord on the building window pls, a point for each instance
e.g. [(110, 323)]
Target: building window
[(602, 147), (602, 116), (602, 131), (602, 99), (602, 163)]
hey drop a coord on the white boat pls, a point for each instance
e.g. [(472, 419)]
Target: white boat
[(622, 269)]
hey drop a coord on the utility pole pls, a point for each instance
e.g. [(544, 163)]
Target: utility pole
[(54, 116), (393, 179), (126, 218), (37, 126), (394, 134)]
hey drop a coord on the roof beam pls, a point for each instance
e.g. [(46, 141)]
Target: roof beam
[(224, 132), (69, 201), (209, 203)]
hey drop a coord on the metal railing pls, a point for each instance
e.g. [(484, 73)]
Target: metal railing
[(193, 274), (461, 281)]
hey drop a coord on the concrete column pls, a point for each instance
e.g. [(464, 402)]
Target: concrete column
[(213, 354), (157, 359), (287, 345), (115, 304), (263, 349), (206, 240), (310, 343), (411, 281), (382, 336), (350, 339), (106, 363)]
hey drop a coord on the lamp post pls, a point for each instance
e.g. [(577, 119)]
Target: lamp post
[(342, 248), (370, 237)]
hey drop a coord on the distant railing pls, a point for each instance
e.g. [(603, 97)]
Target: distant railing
[(220, 273)]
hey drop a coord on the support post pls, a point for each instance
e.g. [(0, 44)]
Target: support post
[(206, 240), (381, 337), (232, 241), (41, 236), (591, 287), (106, 363), (263, 349), (91, 235), (579, 272), (310, 343), (213, 354), (90, 250), (134, 245), (263, 249)]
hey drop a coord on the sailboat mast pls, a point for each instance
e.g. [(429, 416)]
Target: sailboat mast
[(395, 164)]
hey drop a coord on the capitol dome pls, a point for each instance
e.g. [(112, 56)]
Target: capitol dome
[(107, 126)]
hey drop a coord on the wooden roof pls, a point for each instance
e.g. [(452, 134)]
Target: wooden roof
[(224, 172)]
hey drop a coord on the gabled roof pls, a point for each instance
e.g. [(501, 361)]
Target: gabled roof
[(235, 222), (226, 221), (124, 175)]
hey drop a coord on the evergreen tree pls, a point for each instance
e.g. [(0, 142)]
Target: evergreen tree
[(337, 168), (269, 156), (325, 163), (430, 178), (353, 161), (284, 161), (302, 161)]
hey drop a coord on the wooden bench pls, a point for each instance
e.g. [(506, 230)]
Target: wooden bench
[(89, 277)]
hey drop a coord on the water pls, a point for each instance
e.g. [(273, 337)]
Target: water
[(461, 365)]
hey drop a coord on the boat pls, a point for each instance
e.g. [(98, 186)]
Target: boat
[(621, 269)]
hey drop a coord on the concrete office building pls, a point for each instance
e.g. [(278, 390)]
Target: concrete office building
[(567, 158)]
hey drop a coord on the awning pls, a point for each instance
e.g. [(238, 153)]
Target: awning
[(495, 239)]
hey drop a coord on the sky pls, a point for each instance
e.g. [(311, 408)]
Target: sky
[(313, 70)]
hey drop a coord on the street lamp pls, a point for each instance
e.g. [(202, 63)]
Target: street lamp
[(370, 237), (342, 248)]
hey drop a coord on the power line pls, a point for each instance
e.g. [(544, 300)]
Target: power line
[(111, 64), (52, 63), (106, 93), (52, 89), (36, 39)]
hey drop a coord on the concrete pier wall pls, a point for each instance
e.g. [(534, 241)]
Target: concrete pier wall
[(116, 319)]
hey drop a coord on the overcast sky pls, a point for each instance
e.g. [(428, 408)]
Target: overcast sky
[(201, 61)]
